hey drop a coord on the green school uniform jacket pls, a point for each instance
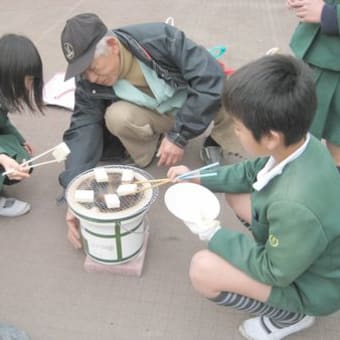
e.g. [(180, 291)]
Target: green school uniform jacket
[(296, 230), (8, 129), (10, 140), (316, 48)]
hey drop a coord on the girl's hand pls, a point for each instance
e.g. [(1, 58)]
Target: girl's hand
[(307, 10), (20, 172), (28, 148), (291, 4)]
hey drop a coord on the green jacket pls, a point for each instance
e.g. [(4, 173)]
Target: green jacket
[(296, 230), (7, 128), (10, 142), (316, 48)]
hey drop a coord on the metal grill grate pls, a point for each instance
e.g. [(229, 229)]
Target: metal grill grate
[(129, 204)]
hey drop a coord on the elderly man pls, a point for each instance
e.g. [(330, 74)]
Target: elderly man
[(141, 91), (138, 83)]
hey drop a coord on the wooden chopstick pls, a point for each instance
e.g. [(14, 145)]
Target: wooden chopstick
[(161, 181), (187, 175), (34, 159), (31, 166), (165, 181), (145, 181)]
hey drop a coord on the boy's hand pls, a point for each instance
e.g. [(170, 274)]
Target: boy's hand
[(73, 233), (175, 171), (180, 170), (205, 229)]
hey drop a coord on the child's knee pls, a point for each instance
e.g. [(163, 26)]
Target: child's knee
[(200, 266)]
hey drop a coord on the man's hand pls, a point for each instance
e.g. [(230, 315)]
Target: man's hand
[(169, 153), (73, 233), (307, 10)]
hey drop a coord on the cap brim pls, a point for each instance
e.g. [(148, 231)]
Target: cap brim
[(80, 65)]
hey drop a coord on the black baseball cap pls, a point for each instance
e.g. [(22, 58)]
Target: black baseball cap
[(78, 41)]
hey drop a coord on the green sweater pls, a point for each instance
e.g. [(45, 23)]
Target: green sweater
[(310, 44), (8, 129), (296, 230)]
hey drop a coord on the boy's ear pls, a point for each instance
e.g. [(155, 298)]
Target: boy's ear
[(272, 140)]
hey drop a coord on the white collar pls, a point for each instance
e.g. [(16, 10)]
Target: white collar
[(267, 173)]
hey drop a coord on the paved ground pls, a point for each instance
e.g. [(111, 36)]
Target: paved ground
[(44, 288)]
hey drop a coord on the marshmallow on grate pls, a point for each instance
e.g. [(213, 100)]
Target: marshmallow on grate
[(101, 175), (127, 175), (112, 201), (84, 196)]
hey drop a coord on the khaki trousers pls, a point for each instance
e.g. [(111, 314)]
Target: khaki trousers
[(139, 129), (223, 133)]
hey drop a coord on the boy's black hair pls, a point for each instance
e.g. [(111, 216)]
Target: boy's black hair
[(20, 58), (276, 93)]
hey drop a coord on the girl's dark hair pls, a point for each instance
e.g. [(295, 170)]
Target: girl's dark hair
[(273, 93), (19, 58)]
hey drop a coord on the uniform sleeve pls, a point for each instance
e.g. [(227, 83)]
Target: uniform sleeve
[(295, 240), (238, 177), (330, 19), (7, 128)]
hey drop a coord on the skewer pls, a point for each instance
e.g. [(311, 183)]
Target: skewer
[(187, 175), (198, 170), (36, 165), (163, 181), (59, 153), (167, 180), (59, 146), (145, 181), (210, 174)]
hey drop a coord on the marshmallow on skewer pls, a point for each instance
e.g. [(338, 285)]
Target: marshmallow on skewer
[(61, 152), (127, 189), (84, 196), (101, 175), (112, 201)]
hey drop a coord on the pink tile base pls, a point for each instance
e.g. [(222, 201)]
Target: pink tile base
[(130, 268)]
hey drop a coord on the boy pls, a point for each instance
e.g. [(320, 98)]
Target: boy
[(289, 197)]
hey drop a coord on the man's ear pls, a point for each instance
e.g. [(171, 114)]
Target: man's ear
[(113, 45), (272, 140)]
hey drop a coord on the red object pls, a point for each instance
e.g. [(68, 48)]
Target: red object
[(227, 71)]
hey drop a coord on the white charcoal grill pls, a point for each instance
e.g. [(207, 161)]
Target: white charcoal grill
[(111, 235)]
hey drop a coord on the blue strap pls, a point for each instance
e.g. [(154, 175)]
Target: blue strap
[(217, 51)]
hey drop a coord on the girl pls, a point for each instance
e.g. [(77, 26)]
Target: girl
[(21, 84)]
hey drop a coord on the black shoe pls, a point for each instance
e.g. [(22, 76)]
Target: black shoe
[(209, 141), (211, 152)]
